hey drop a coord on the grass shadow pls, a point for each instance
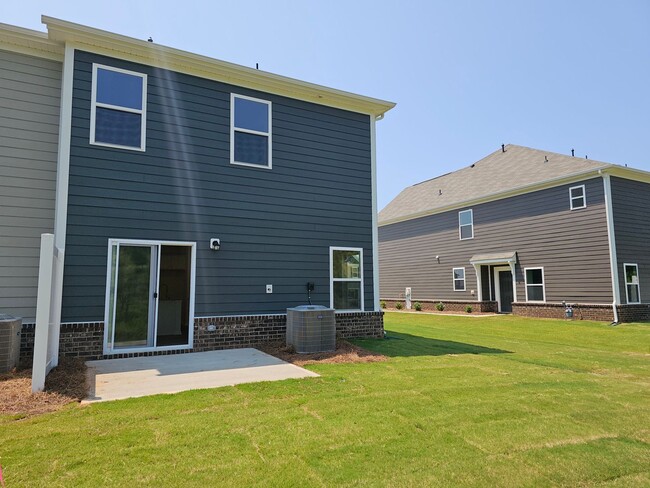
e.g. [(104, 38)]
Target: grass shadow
[(398, 344)]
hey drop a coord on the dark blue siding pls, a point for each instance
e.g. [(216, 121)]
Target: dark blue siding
[(276, 226)]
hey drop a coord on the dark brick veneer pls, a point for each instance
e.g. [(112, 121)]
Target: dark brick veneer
[(86, 340)]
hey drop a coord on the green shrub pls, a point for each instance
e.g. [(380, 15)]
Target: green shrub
[(468, 309), (399, 306), (382, 304), (417, 306), (440, 306)]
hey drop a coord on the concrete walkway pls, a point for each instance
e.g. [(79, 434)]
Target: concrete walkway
[(114, 379)]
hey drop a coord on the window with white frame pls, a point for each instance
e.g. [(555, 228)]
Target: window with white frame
[(118, 108), (632, 290), (459, 279), (250, 131), (578, 197), (466, 224), (346, 278), (535, 284)]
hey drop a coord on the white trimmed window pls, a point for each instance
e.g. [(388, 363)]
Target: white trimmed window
[(466, 224), (632, 291), (250, 131), (578, 197), (459, 279), (346, 278), (118, 111), (535, 285)]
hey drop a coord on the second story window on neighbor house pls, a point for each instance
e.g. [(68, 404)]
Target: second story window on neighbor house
[(459, 279), (466, 224), (535, 285), (346, 278), (578, 197), (118, 108), (250, 131), (632, 283)]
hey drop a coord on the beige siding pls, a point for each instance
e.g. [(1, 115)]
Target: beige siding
[(571, 246), (29, 116)]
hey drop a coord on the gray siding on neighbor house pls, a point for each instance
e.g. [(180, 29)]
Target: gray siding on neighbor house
[(29, 119), (631, 209), (571, 246), (275, 226)]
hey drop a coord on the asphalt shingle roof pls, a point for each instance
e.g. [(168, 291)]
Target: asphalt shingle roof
[(498, 172)]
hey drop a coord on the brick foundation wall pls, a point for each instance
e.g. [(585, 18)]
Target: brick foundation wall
[(634, 313), (450, 305), (86, 341), (598, 312)]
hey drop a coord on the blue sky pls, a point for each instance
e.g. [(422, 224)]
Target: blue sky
[(467, 75)]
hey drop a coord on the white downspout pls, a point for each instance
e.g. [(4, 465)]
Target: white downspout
[(613, 260)]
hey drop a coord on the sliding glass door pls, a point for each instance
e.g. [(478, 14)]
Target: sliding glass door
[(149, 302)]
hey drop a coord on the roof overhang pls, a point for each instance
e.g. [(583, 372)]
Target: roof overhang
[(508, 257), (139, 51), (30, 42), (612, 170)]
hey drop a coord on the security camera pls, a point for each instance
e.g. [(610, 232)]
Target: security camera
[(215, 244)]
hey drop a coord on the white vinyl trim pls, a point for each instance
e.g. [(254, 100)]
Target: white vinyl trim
[(582, 197), (637, 284), (454, 279), (470, 225), (375, 229), (542, 284), (142, 112), (359, 279), (136, 242), (234, 129), (611, 235)]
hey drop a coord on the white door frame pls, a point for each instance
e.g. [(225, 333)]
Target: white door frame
[(497, 290), (155, 268)]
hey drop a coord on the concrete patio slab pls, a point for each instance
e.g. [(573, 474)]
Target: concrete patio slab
[(114, 379)]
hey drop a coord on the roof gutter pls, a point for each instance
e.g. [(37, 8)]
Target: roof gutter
[(139, 51)]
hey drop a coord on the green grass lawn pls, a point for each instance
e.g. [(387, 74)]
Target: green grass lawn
[(499, 401)]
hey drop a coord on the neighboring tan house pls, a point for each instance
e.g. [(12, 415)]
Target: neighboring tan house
[(191, 200), (523, 231)]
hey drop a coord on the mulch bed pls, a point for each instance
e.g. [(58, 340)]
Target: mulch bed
[(345, 353), (66, 383)]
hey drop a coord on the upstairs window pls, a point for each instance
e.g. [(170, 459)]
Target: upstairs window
[(459, 279), (577, 197), (466, 224), (346, 278), (250, 131), (118, 108), (632, 283), (535, 285)]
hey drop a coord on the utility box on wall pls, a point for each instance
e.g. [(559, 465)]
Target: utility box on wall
[(311, 328), (10, 328)]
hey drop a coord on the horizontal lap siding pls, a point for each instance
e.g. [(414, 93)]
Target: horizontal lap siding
[(631, 209), (275, 226), (29, 120), (571, 246)]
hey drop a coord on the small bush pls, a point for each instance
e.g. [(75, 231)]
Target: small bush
[(440, 306), (399, 306), (417, 306), (382, 304), (468, 309)]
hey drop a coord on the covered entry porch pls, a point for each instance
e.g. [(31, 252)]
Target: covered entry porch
[(496, 278)]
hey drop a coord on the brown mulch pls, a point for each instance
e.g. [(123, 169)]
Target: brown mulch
[(66, 383), (345, 353)]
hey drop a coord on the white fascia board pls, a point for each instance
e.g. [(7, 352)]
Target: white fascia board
[(29, 42), (500, 195), (139, 51)]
